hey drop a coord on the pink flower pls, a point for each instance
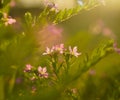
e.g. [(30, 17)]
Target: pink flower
[(74, 51), (56, 48), (42, 72), (48, 51), (59, 48), (28, 68), (8, 20)]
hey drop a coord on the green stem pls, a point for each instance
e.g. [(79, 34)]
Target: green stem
[(54, 62), (12, 82), (67, 64)]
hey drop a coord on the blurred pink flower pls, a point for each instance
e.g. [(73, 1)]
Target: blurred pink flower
[(8, 20), (54, 29), (28, 68), (100, 28), (50, 35), (59, 48), (107, 32), (116, 48), (74, 51), (42, 72), (18, 80), (92, 72), (12, 3), (55, 48)]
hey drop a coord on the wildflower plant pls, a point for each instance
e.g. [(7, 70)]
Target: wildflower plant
[(60, 59), (23, 75)]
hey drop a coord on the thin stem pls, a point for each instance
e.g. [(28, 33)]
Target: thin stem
[(54, 66), (12, 81)]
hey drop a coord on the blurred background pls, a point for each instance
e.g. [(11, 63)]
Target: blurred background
[(86, 30)]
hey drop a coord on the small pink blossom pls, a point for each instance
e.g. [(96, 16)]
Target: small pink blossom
[(74, 51), (55, 48), (59, 48), (8, 20), (42, 72), (48, 51), (28, 68)]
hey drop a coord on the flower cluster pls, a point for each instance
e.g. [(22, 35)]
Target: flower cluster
[(62, 50), (40, 72), (57, 48)]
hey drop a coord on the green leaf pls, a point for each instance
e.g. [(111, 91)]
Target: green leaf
[(52, 16), (28, 19)]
